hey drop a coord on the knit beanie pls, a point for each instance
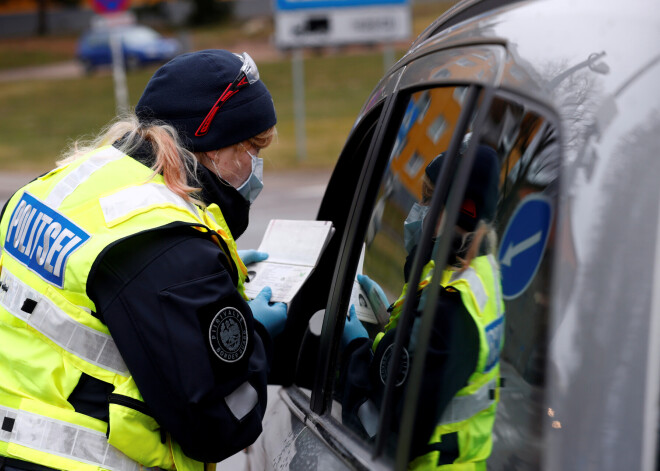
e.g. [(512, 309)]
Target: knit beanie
[(183, 91), (481, 193)]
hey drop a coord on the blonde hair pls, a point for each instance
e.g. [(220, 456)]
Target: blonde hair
[(177, 164), (483, 236)]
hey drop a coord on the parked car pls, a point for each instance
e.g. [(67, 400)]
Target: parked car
[(567, 94), (140, 45)]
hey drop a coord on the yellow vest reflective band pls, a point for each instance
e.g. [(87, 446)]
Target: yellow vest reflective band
[(51, 233), (471, 413)]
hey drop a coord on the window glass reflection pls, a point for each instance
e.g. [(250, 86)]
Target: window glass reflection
[(425, 131), (525, 227), (483, 380)]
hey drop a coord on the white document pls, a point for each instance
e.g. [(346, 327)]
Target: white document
[(294, 248), (363, 309)]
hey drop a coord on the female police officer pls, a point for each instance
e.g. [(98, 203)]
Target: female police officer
[(126, 339), (457, 399)]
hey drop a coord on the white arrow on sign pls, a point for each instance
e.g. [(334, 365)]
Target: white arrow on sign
[(520, 247)]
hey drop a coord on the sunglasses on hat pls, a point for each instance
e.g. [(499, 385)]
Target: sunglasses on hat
[(246, 76)]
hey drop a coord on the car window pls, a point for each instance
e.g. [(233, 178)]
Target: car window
[(518, 246), (507, 253), (98, 39), (426, 126)]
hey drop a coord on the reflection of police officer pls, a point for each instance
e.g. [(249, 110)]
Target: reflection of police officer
[(127, 340), (457, 400)]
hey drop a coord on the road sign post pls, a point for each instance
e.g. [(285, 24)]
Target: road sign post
[(113, 14), (298, 74)]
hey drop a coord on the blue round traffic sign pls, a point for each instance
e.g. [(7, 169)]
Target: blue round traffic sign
[(523, 244), (109, 6)]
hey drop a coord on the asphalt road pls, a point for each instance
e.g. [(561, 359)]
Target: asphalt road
[(62, 70)]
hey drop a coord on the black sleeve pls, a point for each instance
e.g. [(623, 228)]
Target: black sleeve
[(451, 359), (187, 337)]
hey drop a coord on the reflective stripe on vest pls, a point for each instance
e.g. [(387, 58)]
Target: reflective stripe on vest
[(476, 285), (123, 203), (497, 287), (69, 183), (461, 408), (242, 400), (41, 314), (42, 433)]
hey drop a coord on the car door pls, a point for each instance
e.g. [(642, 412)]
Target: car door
[(98, 48), (440, 103)]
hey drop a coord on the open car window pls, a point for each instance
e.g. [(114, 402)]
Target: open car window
[(483, 326)]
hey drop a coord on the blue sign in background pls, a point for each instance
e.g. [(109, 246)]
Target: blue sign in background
[(523, 244), (307, 4), (109, 6)]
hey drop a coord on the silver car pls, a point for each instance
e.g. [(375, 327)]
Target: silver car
[(566, 92)]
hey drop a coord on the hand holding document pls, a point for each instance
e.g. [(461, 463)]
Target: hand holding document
[(294, 248), (368, 298)]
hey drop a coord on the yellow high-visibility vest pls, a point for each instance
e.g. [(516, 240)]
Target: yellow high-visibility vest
[(51, 233)]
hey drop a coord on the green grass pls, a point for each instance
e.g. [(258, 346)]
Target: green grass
[(38, 118)]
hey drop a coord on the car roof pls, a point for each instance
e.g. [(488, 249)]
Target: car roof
[(460, 11), (539, 48)]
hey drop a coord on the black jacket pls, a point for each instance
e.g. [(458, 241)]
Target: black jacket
[(159, 292)]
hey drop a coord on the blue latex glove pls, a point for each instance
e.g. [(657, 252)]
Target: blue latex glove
[(353, 328), (271, 315), (376, 296), (252, 256)]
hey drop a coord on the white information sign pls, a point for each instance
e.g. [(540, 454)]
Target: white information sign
[(315, 23)]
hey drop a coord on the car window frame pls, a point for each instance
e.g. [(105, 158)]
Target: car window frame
[(347, 257)]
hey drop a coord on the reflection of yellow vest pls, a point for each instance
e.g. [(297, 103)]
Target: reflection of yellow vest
[(52, 232), (471, 413)]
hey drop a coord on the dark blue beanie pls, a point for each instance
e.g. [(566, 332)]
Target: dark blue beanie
[(481, 193), (184, 90)]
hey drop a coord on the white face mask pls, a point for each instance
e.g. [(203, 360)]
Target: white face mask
[(251, 188), (412, 226)]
